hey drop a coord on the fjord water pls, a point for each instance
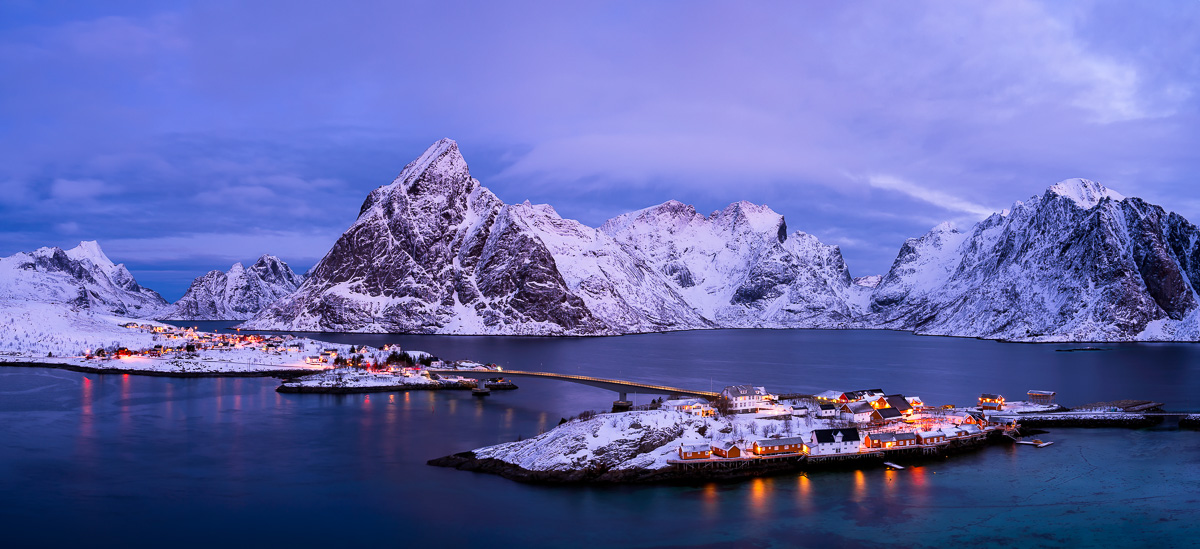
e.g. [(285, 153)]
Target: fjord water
[(147, 462)]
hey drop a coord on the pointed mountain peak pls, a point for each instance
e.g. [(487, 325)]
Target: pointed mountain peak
[(442, 157), (89, 249), (760, 218), (1085, 193)]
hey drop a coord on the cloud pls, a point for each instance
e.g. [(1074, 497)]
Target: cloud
[(78, 189), (301, 247), (938, 198)]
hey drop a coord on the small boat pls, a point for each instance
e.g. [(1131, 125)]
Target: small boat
[(1044, 444), (500, 384), (892, 465), (481, 391)]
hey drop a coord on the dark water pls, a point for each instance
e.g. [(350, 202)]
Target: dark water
[(113, 460)]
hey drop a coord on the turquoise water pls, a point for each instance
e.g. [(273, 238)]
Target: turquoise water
[(149, 462)]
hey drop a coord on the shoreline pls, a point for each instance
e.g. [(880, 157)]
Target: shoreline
[(690, 473), (282, 374)]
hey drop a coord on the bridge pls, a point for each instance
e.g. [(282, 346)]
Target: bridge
[(621, 387)]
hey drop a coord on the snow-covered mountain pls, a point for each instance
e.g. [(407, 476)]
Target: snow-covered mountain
[(1078, 263), (237, 294), (81, 278), (739, 267), (435, 252)]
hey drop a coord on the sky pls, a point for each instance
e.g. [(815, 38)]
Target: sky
[(186, 136)]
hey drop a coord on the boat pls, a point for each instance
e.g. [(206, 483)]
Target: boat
[(500, 384), (892, 465), (481, 391)]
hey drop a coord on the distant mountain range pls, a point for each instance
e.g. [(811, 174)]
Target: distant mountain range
[(237, 294), (80, 278), (435, 252)]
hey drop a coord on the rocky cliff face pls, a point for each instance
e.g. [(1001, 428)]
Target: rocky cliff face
[(435, 252), (82, 277), (1078, 263), (237, 294), (739, 267)]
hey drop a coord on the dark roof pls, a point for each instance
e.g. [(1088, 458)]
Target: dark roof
[(741, 390), (990, 396), (888, 413), (779, 441), (898, 402), (858, 407), (862, 393), (828, 407), (906, 436), (825, 436)]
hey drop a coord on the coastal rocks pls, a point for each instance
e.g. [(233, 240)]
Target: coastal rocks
[(237, 294)]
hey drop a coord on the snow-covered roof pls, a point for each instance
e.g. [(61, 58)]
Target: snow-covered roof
[(767, 442)]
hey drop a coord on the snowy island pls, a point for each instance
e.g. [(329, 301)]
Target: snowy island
[(751, 432)]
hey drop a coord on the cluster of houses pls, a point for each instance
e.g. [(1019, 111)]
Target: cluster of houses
[(873, 420), (188, 340)]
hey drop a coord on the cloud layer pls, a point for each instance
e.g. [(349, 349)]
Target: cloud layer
[(151, 124)]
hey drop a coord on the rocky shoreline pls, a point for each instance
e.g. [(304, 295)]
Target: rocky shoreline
[(301, 389), (468, 461), (282, 374)]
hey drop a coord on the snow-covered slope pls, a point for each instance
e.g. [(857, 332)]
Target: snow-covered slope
[(435, 252), (82, 278), (238, 294), (1078, 263), (739, 267)]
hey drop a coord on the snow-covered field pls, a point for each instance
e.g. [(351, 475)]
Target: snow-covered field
[(57, 334), (31, 329)]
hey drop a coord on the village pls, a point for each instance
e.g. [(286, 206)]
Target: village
[(845, 424)]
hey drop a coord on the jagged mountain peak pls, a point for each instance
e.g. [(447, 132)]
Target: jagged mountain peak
[(90, 250), (1083, 192), (437, 177), (236, 294), (82, 277)]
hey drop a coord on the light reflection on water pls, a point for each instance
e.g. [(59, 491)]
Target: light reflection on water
[(168, 452)]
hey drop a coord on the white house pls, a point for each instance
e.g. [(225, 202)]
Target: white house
[(857, 412), (827, 411), (834, 441), (745, 399), (694, 406)]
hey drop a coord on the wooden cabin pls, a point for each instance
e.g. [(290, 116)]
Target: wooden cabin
[(988, 401), (776, 446), (886, 415), (694, 451), (726, 449), (1041, 397), (930, 437)]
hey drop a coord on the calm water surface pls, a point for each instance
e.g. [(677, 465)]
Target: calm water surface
[(114, 460)]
